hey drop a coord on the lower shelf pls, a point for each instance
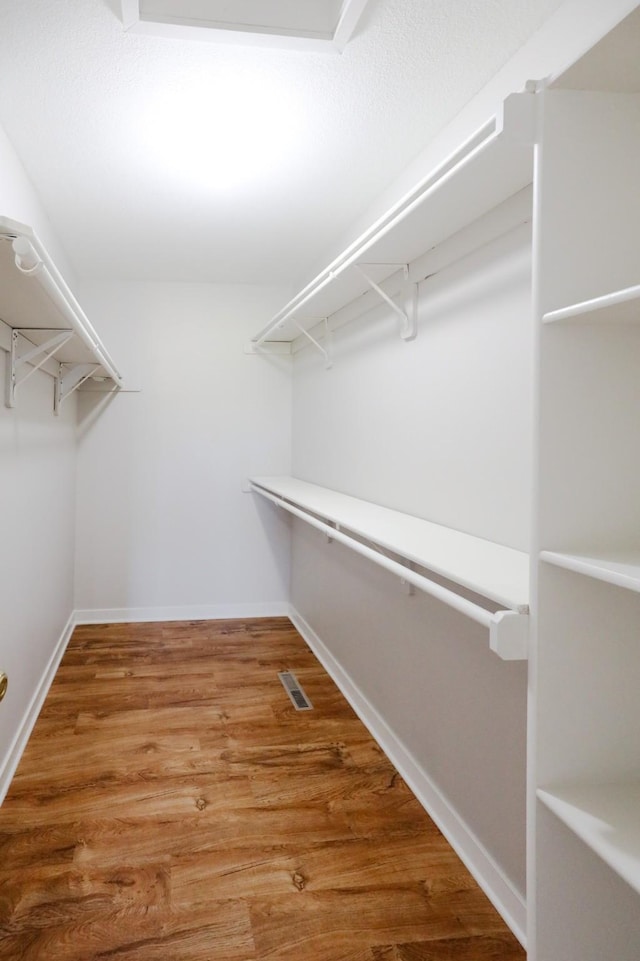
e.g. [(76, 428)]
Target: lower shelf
[(621, 568), (606, 817), (496, 573)]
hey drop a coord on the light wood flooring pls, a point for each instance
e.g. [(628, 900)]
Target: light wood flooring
[(173, 806)]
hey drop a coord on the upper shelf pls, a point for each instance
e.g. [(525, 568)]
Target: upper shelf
[(490, 167), (499, 574), (35, 300)]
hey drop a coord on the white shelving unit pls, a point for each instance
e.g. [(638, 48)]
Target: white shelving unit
[(604, 817), (42, 325), (584, 852), (496, 573), (492, 166)]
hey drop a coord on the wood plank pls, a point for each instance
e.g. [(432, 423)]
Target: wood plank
[(495, 948), (320, 924), (172, 804)]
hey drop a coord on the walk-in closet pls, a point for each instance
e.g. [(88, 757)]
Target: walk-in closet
[(362, 500)]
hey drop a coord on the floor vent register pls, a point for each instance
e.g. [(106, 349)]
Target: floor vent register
[(298, 698)]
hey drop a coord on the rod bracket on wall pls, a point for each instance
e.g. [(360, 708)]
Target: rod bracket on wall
[(268, 347), (35, 356), (71, 376), (325, 351), (329, 536), (406, 586), (409, 317)]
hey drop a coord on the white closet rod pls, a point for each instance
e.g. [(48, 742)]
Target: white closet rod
[(476, 144), (33, 261), (418, 271), (461, 604)]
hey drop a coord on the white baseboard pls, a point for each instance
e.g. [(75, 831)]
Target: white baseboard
[(500, 891), (198, 612), (9, 764)]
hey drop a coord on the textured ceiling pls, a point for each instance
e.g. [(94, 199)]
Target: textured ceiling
[(171, 159)]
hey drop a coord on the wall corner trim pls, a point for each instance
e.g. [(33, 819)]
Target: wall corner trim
[(9, 763), (500, 891)]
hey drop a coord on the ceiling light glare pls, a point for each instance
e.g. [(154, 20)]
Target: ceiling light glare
[(223, 136)]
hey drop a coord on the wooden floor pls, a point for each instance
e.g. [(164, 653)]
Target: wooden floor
[(173, 806)]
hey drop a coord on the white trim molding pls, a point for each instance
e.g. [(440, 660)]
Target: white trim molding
[(196, 612), (271, 23), (9, 764)]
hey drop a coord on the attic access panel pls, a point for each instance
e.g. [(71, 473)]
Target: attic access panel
[(304, 23)]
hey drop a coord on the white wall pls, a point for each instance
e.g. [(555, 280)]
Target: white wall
[(19, 200), (440, 428), (164, 529), (37, 489)]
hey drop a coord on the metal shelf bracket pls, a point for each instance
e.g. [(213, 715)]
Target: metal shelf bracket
[(409, 317), (36, 356), (268, 347), (70, 378), (406, 586), (326, 352)]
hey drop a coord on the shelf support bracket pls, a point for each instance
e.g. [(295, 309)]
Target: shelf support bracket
[(334, 526), (268, 348), (326, 353), (36, 356), (71, 377), (408, 318), (406, 586)]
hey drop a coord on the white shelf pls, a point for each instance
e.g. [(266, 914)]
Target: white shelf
[(607, 819), (499, 574), (35, 300), (495, 164), (621, 568), (621, 306)]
